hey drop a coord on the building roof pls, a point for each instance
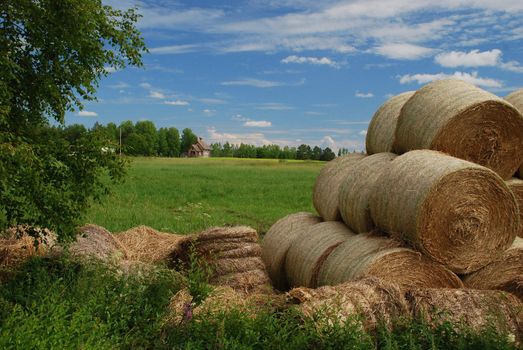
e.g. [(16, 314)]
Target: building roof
[(200, 146)]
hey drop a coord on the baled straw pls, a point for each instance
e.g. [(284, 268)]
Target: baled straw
[(475, 309), (504, 274), (148, 245), (516, 186), (243, 233), (16, 246), (464, 121), (459, 213), (326, 187), (370, 254), (96, 242), (245, 282), (355, 190), (309, 251), (382, 127), (277, 241), (372, 299), (232, 265), (516, 99)]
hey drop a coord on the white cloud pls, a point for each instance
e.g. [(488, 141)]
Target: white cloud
[(209, 112), (174, 49), (157, 95), (257, 123), (363, 133), (258, 139), (310, 60), (328, 141), (472, 78), (87, 114), (109, 69), (474, 58), (364, 95), (512, 66), (146, 85), (403, 51), (258, 83), (176, 103)]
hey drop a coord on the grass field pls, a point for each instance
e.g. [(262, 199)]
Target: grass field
[(184, 195)]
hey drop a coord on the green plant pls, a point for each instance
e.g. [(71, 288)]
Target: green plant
[(198, 272)]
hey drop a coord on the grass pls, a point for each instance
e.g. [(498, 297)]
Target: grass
[(185, 195)]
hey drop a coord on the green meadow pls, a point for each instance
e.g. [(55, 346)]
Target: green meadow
[(185, 195)]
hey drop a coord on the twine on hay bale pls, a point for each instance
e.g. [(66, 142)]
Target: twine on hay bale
[(504, 274), (16, 245), (326, 187), (96, 242), (372, 299), (459, 213), (370, 254), (277, 242), (464, 121), (382, 127), (309, 251), (148, 245), (475, 309), (356, 189), (516, 186)]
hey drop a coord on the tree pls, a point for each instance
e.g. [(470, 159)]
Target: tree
[(188, 139), (148, 138), (52, 57), (316, 153), (304, 152), (327, 154), (173, 142)]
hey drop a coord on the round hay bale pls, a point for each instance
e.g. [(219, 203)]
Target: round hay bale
[(516, 186), (504, 274), (245, 282), (326, 187), (459, 213), (96, 242), (372, 299), (148, 245), (309, 250), (355, 191), (277, 241), (475, 309), (370, 254), (233, 265), (516, 99), (457, 118), (382, 127)]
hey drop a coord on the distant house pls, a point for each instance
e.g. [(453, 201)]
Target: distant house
[(199, 149)]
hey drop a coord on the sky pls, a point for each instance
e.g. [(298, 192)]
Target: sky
[(289, 72)]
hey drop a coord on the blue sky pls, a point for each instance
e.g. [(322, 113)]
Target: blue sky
[(301, 71)]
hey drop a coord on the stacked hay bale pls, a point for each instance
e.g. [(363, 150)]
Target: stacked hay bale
[(516, 99), (93, 241)]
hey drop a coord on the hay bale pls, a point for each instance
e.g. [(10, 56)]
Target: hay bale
[(459, 213), (16, 245), (505, 274), (372, 299), (516, 186), (277, 241), (96, 242), (464, 121), (382, 127), (309, 250), (148, 245), (225, 266), (475, 309), (242, 233), (245, 282), (326, 187), (370, 254), (516, 99), (355, 191)]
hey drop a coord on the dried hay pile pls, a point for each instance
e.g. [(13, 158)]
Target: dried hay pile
[(475, 309), (459, 213), (310, 249), (372, 299), (370, 254), (516, 186), (277, 242), (326, 187), (93, 241), (464, 121), (16, 245), (234, 255), (382, 127), (504, 274), (356, 189), (148, 245)]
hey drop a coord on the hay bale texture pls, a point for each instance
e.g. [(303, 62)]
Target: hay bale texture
[(382, 127), (457, 118), (504, 274), (516, 186), (309, 251), (277, 241), (148, 245), (516, 99), (96, 242), (356, 189), (459, 213), (17, 245), (326, 187), (475, 309), (371, 254), (372, 299)]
